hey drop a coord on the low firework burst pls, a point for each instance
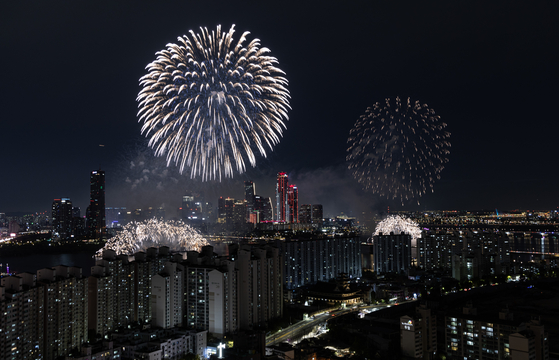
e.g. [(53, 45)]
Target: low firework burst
[(139, 236), (211, 104), (398, 149), (398, 225)]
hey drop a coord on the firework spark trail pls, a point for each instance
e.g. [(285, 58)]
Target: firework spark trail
[(209, 103), (398, 149), (139, 236)]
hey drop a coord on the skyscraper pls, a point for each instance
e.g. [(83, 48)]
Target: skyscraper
[(281, 197), (263, 208), (96, 208), (293, 203), (249, 197), (305, 214), (221, 213), (191, 209), (317, 214), (62, 217)]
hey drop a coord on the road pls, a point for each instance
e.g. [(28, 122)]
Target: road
[(303, 327)]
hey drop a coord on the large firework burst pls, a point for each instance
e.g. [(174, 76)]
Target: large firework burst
[(139, 236), (398, 149), (210, 103)]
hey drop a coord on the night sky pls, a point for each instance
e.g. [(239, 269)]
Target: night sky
[(489, 69)]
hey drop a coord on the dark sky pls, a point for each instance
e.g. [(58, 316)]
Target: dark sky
[(489, 69)]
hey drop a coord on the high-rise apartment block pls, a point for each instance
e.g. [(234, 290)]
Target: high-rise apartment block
[(44, 315), (96, 209), (205, 292), (471, 335), (260, 284), (309, 261), (392, 253), (418, 334), (226, 295), (468, 253), (167, 291)]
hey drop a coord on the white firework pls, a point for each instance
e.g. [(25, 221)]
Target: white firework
[(139, 236), (398, 149), (397, 224), (210, 103)]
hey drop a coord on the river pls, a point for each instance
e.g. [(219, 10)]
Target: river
[(32, 263)]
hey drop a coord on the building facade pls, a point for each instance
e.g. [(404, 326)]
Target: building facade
[(392, 253), (309, 261), (62, 214), (44, 314), (281, 197), (96, 209)]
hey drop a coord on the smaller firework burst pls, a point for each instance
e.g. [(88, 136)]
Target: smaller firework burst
[(397, 224), (398, 149), (139, 236)]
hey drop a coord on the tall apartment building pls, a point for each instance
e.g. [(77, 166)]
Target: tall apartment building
[(65, 309), (392, 253), (167, 294), (309, 261), (101, 295), (223, 297), (530, 343), (472, 335), (211, 297), (469, 253), (44, 315), (260, 287), (197, 312), (120, 288), (418, 334), (22, 321), (435, 249)]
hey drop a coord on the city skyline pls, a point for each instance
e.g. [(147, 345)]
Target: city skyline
[(488, 70)]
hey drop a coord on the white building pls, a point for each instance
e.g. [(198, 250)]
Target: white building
[(167, 293), (418, 334)]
